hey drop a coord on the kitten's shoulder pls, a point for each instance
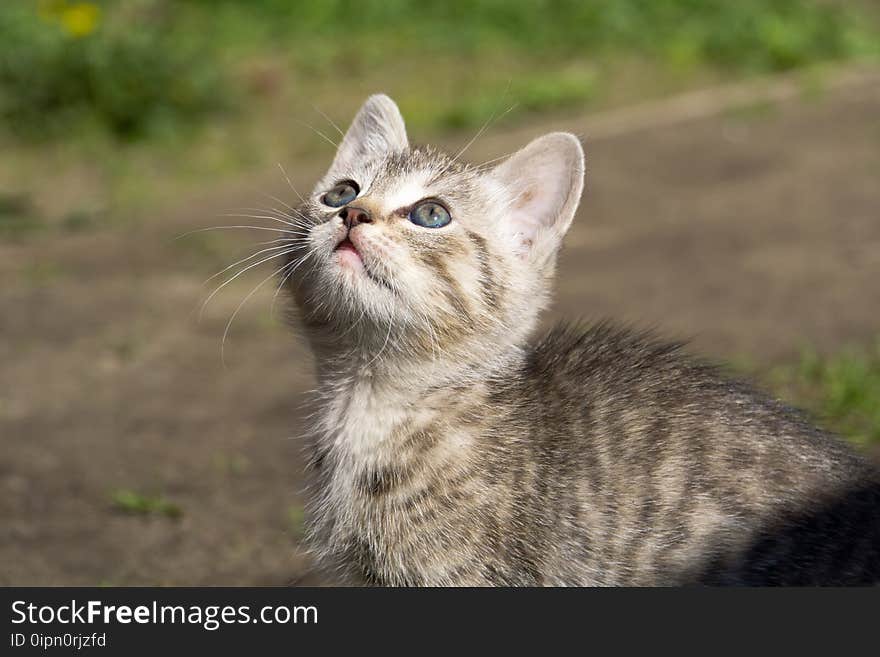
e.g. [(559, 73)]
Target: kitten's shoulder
[(619, 352), (629, 369), (633, 373)]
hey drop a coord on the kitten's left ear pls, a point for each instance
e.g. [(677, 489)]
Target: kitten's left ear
[(378, 129), (542, 184)]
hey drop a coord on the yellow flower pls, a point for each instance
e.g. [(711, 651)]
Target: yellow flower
[(80, 19)]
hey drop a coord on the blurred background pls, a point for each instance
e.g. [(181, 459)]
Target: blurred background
[(732, 200)]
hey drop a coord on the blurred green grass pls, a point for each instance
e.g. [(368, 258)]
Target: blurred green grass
[(147, 96), (134, 503), (133, 68), (67, 67), (841, 390)]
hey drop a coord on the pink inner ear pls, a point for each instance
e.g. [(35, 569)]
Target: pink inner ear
[(541, 184), (530, 212), (525, 198)]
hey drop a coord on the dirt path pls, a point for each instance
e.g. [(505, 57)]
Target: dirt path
[(752, 232)]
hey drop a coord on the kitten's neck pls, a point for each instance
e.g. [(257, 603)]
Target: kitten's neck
[(365, 405), (412, 375)]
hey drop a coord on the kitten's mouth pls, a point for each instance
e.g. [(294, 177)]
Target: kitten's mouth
[(348, 255), (347, 245)]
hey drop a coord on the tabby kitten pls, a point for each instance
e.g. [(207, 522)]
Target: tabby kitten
[(448, 449)]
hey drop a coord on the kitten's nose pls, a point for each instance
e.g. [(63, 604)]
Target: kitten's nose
[(352, 216)]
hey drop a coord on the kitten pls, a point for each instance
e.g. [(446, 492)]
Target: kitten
[(449, 450)]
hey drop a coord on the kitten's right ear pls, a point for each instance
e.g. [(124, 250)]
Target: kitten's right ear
[(543, 184), (378, 129)]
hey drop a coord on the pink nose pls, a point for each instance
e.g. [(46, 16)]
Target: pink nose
[(352, 216)]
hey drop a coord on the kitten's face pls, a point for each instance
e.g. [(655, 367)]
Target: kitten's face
[(407, 245)]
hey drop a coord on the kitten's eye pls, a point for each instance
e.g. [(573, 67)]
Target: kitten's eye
[(430, 214), (342, 194)]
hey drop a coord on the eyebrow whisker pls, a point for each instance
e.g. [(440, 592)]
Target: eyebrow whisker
[(287, 178)]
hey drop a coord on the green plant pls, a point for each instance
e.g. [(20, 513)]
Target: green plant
[(139, 67), (748, 34), (129, 501), (296, 521), (65, 64), (842, 390)]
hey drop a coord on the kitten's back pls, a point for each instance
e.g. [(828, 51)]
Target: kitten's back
[(676, 473)]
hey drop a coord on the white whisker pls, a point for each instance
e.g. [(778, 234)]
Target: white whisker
[(229, 280), (285, 278), (329, 120), (319, 133), (287, 178), (261, 216), (202, 230), (384, 344), (278, 200), (238, 308), (250, 257), (482, 130)]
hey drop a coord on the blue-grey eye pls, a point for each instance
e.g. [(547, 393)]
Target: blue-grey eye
[(342, 194), (429, 214)]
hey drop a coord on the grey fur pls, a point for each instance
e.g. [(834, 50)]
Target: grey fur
[(449, 448)]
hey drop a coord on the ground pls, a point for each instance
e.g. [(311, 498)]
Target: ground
[(132, 455)]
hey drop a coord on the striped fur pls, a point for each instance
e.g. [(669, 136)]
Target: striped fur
[(451, 448)]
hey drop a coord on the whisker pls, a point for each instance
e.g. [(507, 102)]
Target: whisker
[(278, 200), (384, 344), (250, 257), (494, 159), (329, 120), (433, 338), (482, 130), (287, 178), (239, 307), (319, 133), (289, 212), (296, 239), (202, 230), (278, 289), (261, 216), (285, 278), (295, 219), (356, 322), (229, 280)]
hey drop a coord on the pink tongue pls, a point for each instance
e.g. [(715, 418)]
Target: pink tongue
[(346, 245)]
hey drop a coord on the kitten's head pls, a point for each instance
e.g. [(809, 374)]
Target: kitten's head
[(406, 248)]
